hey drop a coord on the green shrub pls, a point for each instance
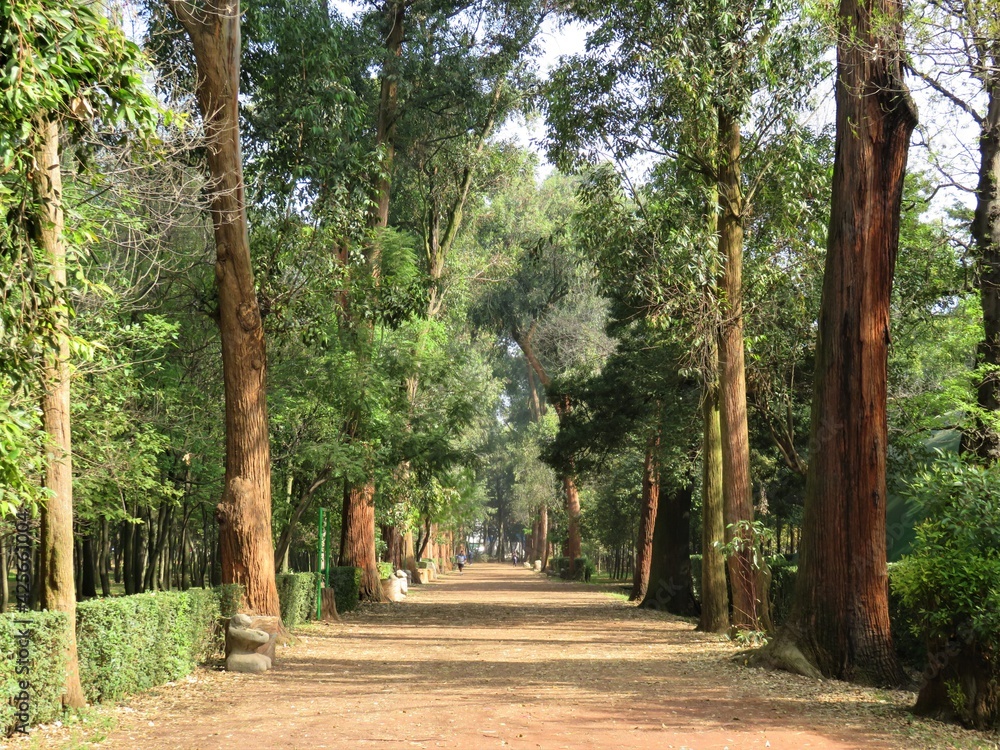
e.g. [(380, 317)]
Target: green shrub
[(385, 570), (585, 569), (129, 644), (230, 597), (783, 575), (47, 667), (346, 584), (951, 584), (909, 646), (557, 565), (297, 595)]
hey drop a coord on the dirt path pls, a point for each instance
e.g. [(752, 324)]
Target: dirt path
[(502, 657)]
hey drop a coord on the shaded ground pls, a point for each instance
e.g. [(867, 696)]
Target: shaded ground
[(502, 657)]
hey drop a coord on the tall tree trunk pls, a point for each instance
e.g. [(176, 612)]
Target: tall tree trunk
[(357, 540), (714, 594), (670, 569), (736, 485), (244, 513), (647, 520), (986, 235), (839, 620), (543, 525), (56, 591), (573, 541)]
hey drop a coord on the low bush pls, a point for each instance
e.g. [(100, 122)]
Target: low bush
[(783, 574), (129, 644), (297, 595), (385, 570), (44, 635), (346, 584), (951, 584), (584, 568)]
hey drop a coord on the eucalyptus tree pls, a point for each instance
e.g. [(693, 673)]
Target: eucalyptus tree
[(705, 86)]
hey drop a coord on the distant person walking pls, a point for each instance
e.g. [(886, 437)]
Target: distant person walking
[(514, 558), (460, 561)]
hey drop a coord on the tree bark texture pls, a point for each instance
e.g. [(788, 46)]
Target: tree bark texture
[(244, 513), (56, 583), (385, 133), (840, 615), (647, 520), (986, 236), (670, 567), (357, 545), (714, 593), (736, 484)]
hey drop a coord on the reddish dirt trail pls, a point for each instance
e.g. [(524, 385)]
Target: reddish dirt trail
[(502, 657)]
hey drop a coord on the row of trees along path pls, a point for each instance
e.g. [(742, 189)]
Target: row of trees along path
[(504, 657)]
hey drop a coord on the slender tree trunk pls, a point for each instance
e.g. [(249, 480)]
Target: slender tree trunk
[(986, 235), (56, 590), (281, 551), (670, 570), (647, 520), (839, 620), (105, 558), (714, 594), (543, 524), (732, 376), (244, 513), (573, 541)]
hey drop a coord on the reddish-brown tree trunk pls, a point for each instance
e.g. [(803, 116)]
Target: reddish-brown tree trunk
[(647, 520), (56, 585), (357, 538), (244, 514), (732, 376), (840, 616)]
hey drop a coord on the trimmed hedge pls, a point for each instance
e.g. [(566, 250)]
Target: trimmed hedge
[(297, 594), (129, 644), (46, 667), (585, 569), (346, 584), (230, 595)]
